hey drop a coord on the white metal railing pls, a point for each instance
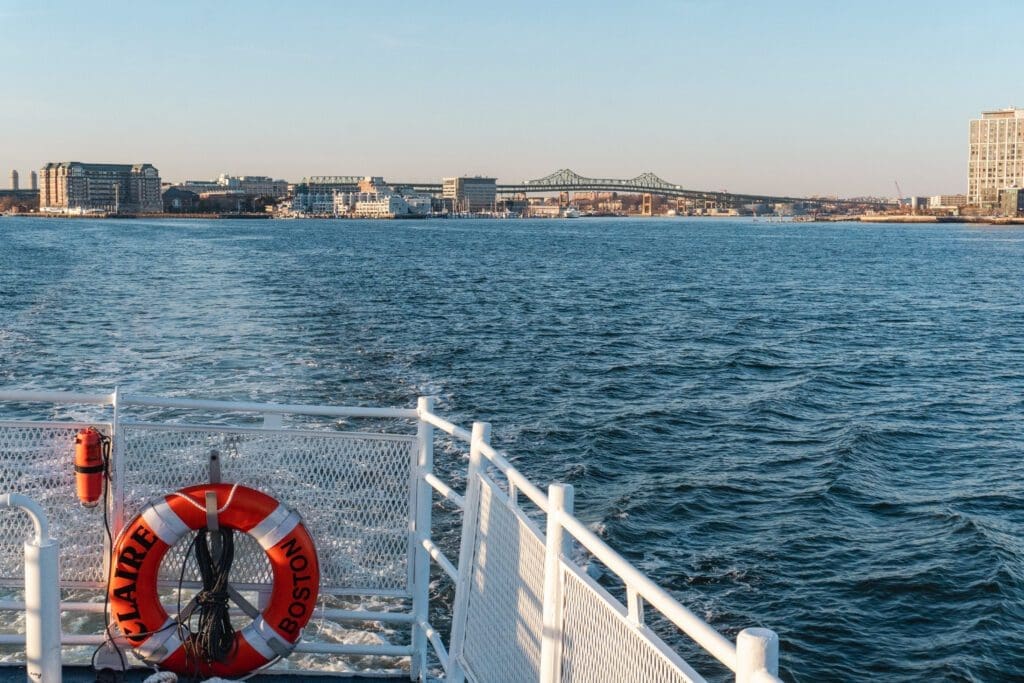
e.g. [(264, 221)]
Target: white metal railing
[(42, 594), (118, 424), (753, 658)]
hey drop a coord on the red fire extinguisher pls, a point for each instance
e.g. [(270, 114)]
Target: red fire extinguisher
[(89, 466)]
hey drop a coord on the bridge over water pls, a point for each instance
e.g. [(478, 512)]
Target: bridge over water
[(567, 180)]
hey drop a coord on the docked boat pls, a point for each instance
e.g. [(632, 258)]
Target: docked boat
[(196, 539)]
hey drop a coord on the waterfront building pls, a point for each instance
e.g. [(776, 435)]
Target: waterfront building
[(315, 195), (326, 183), (543, 211), (313, 201), (227, 201), (377, 205), (371, 198), (75, 187), (996, 156), (470, 193), (254, 185), (1011, 202), (178, 200), (947, 201), (199, 186), (249, 185), (591, 196), (373, 183), (19, 200), (14, 180), (918, 204)]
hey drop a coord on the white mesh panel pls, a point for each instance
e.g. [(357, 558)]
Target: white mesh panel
[(352, 491), (600, 644), (505, 612), (37, 461)]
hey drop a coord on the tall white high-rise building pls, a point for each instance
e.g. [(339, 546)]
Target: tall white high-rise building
[(997, 156)]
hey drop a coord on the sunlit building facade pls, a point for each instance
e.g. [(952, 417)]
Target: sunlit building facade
[(996, 156), (470, 193), (74, 187)]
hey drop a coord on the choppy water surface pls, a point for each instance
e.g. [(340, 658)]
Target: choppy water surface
[(815, 428)]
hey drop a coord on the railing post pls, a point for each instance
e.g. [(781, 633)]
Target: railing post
[(42, 594), (757, 655), (421, 526), (116, 473), (557, 546), (470, 518)]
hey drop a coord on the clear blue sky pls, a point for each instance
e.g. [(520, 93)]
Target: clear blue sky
[(773, 97)]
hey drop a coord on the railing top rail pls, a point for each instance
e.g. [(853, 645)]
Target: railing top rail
[(251, 406), (57, 397), (202, 404), (496, 458), (539, 498), (446, 426)]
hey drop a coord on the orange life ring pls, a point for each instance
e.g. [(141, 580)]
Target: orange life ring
[(141, 546)]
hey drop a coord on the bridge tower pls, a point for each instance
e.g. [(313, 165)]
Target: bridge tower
[(647, 204)]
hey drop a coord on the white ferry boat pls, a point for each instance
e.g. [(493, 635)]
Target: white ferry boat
[(117, 488)]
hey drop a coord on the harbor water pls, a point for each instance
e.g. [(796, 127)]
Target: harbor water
[(811, 427)]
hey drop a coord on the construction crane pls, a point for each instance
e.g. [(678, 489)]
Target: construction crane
[(899, 194)]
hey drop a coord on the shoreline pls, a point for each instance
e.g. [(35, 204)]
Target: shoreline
[(924, 220), (130, 216), (895, 219)]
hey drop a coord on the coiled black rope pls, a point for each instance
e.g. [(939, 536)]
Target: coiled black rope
[(105, 448), (214, 637)]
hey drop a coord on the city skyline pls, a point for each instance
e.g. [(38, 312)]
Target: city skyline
[(794, 99)]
